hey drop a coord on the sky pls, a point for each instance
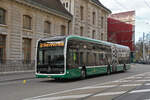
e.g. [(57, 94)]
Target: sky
[(142, 10)]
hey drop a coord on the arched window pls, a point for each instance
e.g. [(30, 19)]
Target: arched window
[(27, 22), (2, 16), (47, 27)]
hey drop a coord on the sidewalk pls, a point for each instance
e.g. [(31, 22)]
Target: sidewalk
[(17, 76)]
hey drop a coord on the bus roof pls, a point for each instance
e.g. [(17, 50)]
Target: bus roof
[(97, 41), (53, 38), (83, 38)]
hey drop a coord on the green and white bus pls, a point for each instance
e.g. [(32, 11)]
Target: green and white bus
[(67, 57)]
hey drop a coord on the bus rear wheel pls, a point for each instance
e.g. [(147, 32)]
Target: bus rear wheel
[(83, 74), (108, 71), (124, 68)]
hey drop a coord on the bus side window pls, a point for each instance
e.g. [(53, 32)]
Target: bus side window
[(91, 59), (76, 58), (49, 60), (87, 59), (81, 58), (70, 58), (84, 59), (97, 59), (101, 59)]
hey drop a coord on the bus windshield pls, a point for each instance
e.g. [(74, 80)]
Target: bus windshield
[(50, 58)]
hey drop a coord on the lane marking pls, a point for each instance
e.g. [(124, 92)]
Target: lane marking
[(147, 84), (110, 93), (146, 77), (64, 97), (143, 74), (130, 78), (80, 96), (32, 98), (94, 87), (142, 80), (135, 77), (122, 81), (129, 85), (65, 91), (140, 91), (110, 86), (85, 95)]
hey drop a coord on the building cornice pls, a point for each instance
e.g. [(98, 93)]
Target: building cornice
[(45, 9), (101, 6)]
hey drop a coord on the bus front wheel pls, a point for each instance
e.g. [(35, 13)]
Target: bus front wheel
[(83, 74)]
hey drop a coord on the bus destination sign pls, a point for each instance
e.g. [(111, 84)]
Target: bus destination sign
[(51, 44)]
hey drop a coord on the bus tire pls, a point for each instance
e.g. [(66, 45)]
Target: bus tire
[(57, 79), (83, 74), (108, 70), (124, 68)]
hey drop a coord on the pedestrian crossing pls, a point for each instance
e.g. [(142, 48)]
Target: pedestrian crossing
[(106, 91)]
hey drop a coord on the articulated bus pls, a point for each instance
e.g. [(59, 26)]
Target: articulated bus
[(67, 57)]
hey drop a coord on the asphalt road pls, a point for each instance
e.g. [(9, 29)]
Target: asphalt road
[(131, 85)]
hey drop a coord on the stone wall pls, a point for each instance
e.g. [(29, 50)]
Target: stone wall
[(14, 32), (86, 23), (14, 27)]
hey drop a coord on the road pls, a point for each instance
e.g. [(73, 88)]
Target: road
[(131, 85)]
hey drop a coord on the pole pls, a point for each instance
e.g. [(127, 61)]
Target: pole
[(149, 48), (143, 47)]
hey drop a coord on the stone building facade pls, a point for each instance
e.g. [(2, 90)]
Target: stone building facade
[(23, 22), (89, 18)]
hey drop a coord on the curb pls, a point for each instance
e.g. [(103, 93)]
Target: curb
[(17, 79), (16, 72), (23, 73)]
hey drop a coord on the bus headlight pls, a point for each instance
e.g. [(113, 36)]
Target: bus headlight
[(67, 72)]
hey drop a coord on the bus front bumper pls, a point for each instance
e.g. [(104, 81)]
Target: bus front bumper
[(74, 73), (65, 76)]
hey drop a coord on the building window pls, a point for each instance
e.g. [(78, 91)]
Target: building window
[(27, 22), (47, 27), (102, 35), (93, 34), (63, 29), (26, 50), (67, 4), (2, 16), (81, 12), (102, 22), (2, 48), (81, 31), (94, 17)]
